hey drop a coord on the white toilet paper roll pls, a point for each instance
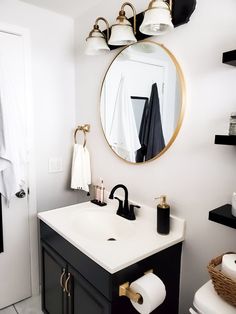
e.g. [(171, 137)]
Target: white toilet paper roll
[(229, 266), (152, 290)]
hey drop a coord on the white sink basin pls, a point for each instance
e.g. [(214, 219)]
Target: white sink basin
[(89, 227), (98, 225)]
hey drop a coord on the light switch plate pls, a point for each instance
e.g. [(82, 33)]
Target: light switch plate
[(55, 165)]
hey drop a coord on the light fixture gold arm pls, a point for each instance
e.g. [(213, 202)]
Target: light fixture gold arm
[(106, 22), (134, 12), (171, 5), (151, 4), (168, 2)]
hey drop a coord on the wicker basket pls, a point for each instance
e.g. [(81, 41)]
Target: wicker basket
[(224, 286)]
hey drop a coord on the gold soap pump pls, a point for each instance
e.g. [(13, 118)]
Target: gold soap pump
[(163, 216)]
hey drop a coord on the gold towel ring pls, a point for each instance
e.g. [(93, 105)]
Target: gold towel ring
[(85, 128)]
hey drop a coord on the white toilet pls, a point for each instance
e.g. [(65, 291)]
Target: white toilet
[(206, 301)]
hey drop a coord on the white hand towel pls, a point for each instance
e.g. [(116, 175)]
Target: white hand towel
[(81, 171), (124, 134)]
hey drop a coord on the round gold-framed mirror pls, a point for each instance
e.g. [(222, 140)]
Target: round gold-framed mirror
[(142, 102)]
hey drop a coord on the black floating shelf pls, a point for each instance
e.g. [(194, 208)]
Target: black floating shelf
[(229, 57), (223, 215), (225, 139)]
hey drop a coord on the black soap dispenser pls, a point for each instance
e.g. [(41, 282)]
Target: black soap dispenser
[(163, 216)]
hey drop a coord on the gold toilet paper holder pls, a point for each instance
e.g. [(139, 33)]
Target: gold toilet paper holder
[(125, 290)]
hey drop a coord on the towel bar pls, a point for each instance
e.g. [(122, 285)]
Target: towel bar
[(84, 128)]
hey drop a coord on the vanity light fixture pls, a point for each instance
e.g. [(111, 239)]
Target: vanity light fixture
[(158, 18), (96, 43), (122, 32)]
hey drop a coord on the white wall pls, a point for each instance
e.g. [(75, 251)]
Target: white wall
[(196, 175), (53, 75)]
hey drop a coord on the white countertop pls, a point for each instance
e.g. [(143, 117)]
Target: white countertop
[(140, 238)]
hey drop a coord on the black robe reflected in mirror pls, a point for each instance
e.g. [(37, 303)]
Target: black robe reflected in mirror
[(151, 133)]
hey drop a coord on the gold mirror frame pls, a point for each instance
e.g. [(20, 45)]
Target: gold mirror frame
[(182, 100)]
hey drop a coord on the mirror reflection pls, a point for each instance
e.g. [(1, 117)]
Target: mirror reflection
[(141, 102)]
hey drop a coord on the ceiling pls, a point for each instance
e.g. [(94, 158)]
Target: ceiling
[(72, 8)]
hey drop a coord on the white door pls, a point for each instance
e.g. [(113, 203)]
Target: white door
[(15, 267)]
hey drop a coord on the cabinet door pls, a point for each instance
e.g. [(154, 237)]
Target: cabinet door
[(53, 277), (84, 298)]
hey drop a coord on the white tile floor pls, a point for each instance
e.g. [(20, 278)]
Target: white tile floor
[(8, 310), (28, 306)]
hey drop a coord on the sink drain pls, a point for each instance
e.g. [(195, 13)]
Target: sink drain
[(111, 239)]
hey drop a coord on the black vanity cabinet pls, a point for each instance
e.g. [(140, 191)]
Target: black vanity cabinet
[(85, 298), (65, 291), (54, 271), (72, 283)]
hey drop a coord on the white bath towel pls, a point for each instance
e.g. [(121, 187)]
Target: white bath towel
[(123, 135), (13, 133), (81, 171)]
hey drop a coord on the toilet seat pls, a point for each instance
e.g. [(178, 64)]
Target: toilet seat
[(206, 301)]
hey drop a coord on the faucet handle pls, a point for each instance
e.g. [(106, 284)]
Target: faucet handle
[(132, 206), (120, 208), (131, 211), (117, 198)]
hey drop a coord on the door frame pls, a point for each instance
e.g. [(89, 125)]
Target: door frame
[(32, 209)]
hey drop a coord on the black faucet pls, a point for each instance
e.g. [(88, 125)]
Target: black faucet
[(124, 210)]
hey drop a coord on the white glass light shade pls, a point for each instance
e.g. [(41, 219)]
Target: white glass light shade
[(96, 46), (122, 35), (157, 20)]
